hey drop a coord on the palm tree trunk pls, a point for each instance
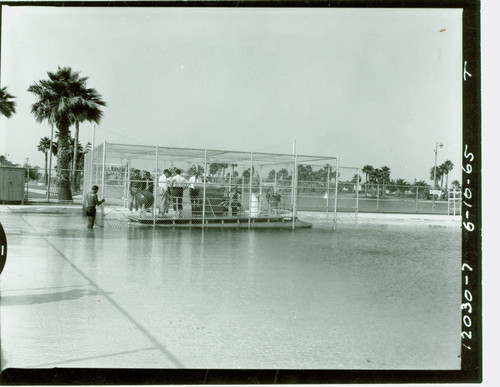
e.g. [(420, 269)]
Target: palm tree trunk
[(46, 170), (64, 162), (75, 152)]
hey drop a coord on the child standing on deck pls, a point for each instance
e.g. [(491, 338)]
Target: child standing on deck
[(91, 202)]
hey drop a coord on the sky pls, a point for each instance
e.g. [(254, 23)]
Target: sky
[(372, 86)]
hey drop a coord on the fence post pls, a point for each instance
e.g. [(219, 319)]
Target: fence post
[(378, 189), (357, 192), (336, 191), (416, 200), (27, 187), (204, 191), (276, 179), (92, 156), (296, 190), (103, 167), (328, 189), (127, 183), (97, 167), (155, 191), (250, 187)]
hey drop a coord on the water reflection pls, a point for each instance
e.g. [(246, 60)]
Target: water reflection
[(314, 297)]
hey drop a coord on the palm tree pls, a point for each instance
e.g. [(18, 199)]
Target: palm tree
[(385, 176), (7, 107), (367, 170), (439, 174), (86, 108), (214, 168), (447, 167), (44, 146), (62, 99)]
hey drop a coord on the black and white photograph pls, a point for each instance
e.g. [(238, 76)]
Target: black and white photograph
[(235, 192)]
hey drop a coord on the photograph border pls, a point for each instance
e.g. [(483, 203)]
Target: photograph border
[(471, 225)]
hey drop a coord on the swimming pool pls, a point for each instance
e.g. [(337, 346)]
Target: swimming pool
[(369, 296)]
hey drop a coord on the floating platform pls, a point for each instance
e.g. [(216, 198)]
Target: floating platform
[(236, 222)]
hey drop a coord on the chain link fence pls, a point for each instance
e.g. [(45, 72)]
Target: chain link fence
[(228, 188), (153, 185)]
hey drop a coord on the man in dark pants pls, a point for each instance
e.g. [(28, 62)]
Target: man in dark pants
[(178, 183), (194, 191), (91, 202), (134, 188)]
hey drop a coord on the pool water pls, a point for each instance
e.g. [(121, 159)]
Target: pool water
[(360, 297)]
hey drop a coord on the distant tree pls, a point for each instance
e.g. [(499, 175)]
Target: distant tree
[(283, 174), (5, 163), (356, 179), (193, 169), (401, 186), (323, 174), (217, 169), (385, 174), (31, 172), (44, 146), (304, 172), (420, 183), (447, 167), (271, 174), (376, 176), (422, 188), (7, 106), (455, 184), (246, 173), (439, 174), (367, 170), (442, 171)]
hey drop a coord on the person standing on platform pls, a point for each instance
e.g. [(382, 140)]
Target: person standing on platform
[(164, 183), (148, 182), (178, 185), (91, 201), (135, 187), (194, 191)]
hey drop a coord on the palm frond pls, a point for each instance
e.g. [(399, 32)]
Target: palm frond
[(7, 107)]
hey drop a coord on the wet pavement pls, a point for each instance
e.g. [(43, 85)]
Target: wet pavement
[(375, 297)]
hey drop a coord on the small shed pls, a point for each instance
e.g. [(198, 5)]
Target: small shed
[(12, 184)]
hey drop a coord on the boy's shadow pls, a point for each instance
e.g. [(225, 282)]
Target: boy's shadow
[(31, 299)]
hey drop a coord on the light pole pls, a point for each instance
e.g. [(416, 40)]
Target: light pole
[(435, 167)]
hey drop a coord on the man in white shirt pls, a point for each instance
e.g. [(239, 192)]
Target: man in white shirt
[(178, 185), (164, 183), (194, 190)]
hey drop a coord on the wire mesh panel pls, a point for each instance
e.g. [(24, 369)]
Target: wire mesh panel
[(183, 187)]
